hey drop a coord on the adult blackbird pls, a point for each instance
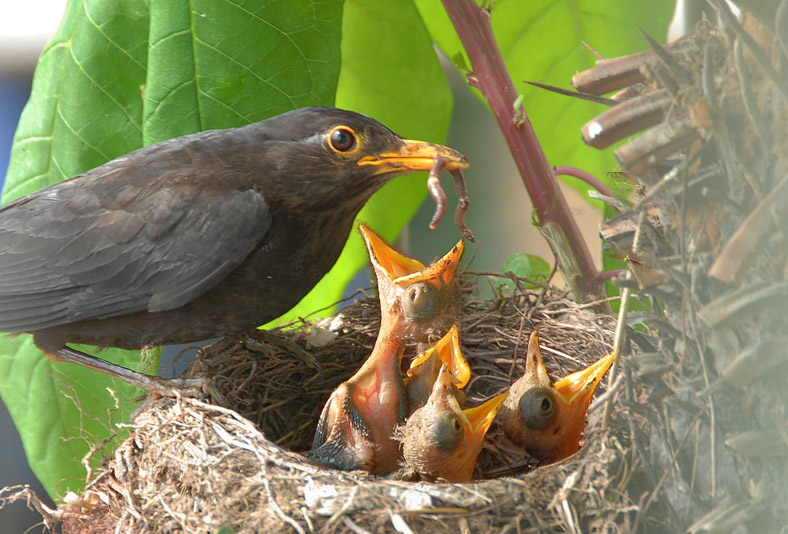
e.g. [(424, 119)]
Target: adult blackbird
[(356, 426), (443, 441), (546, 419), (200, 236)]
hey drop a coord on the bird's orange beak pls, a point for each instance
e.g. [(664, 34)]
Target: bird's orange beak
[(398, 268), (414, 156), (578, 387), (449, 352), (481, 417), (385, 259), (417, 303), (575, 391), (425, 367)]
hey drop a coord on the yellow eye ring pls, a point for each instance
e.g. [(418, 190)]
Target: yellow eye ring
[(343, 140)]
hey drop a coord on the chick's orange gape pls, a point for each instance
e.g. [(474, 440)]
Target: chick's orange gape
[(424, 369)]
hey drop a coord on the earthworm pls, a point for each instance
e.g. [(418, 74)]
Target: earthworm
[(462, 204), (436, 191)]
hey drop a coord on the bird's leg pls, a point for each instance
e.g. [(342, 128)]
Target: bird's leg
[(156, 385)]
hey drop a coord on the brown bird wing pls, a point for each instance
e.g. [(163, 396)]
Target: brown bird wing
[(124, 238)]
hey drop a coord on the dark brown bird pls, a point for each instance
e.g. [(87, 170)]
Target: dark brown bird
[(356, 426), (544, 418), (200, 236), (443, 441)]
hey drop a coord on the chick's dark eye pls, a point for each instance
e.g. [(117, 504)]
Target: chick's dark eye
[(446, 432), (455, 424), (342, 139), (537, 408), (421, 301)]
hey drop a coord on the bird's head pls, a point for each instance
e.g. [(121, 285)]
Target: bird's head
[(547, 418), (338, 155), (417, 303), (441, 440)]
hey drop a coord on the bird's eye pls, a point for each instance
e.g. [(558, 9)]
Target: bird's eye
[(343, 139), (447, 432), (421, 301), (537, 408)]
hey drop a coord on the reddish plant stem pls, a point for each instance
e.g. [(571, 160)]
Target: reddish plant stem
[(490, 77), (609, 275), (585, 176)]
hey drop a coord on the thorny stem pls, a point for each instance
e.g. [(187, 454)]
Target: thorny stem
[(490, 77)]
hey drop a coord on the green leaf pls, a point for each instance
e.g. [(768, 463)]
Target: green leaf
[(524, 265), (61, 409), (101, 91), (390, 72), (85, 107), (542, 41), (225, 64)]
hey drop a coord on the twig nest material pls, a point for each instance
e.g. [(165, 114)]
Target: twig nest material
[(196, 466)]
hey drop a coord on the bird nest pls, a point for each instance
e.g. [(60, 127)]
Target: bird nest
[(233, 464)]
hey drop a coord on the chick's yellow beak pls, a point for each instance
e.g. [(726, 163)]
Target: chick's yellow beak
[(388, 260), (450, 353), (401, 269), (481, 417), (580, 385)]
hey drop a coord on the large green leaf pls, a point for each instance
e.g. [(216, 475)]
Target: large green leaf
[(86, 104), (542, 41), (103, 89), (224, 64), (390, 72)]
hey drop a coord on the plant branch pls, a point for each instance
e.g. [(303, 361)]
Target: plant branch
[(585, 176), (490, 77)]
